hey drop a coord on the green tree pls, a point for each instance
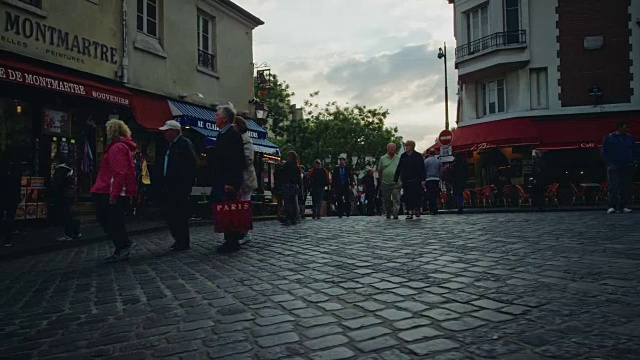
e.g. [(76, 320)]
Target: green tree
[(276, 95)]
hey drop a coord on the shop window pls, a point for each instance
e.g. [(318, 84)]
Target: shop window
[(147, 17), (492, 97), (539, 88), (206, 42), (16, 130)]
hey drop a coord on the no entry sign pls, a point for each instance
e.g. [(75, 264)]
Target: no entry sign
[(445, 138)]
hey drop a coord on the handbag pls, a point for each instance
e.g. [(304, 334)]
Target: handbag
[(233, 216)]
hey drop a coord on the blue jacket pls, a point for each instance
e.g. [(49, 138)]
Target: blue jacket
[(433, 168), (619, 150)]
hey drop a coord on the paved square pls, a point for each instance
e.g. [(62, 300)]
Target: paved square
[(494, 286)]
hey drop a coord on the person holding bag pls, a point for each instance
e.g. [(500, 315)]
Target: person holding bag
[(115, 185), (228, 167)]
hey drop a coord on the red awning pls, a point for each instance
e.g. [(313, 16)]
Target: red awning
[(492, 134), (30, 75), (150, 111), (545, 133)]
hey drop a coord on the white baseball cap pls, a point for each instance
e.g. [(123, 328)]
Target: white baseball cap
[(171, 125)]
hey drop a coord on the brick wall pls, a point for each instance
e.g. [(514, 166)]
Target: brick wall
[(608, 67)]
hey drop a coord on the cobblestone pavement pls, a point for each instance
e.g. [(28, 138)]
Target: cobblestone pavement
[(496, 286)]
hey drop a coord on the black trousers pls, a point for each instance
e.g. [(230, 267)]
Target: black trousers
[(177, 212), (433, 188), (7, 219), (371, 202), (112, 218), (66, 218), (343, 199)]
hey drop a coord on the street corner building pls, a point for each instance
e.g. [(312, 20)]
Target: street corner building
[(551, 75), (68, 67)]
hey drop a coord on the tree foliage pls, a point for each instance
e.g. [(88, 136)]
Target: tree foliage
[(277, 98), (327, 130)]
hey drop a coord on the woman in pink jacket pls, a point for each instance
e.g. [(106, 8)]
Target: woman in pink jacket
[(115, 185)]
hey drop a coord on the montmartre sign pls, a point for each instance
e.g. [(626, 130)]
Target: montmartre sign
[(25, 35)]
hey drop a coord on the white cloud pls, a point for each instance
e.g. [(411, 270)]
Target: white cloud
[(372, 52)]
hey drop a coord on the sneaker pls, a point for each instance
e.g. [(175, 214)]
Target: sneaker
[(247, 239), (9, 244), (627, 210), (78, 236), (64, 238), (611, 211)]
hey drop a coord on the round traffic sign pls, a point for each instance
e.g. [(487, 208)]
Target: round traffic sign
[(445, 138)]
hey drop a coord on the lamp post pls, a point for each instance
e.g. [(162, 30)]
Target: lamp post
[(442, 54)]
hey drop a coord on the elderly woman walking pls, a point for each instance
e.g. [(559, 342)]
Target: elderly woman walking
[(411, 171), (115, 185), (250, 180)]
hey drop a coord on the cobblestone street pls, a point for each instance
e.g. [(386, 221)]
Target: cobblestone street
[(494, 286)]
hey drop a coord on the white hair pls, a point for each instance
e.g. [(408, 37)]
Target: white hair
[(228, 111)]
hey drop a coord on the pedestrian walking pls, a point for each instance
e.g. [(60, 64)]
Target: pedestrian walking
[(342, 183), (178, 174), (249, 178), (10, 176), (459, 175), (620, 152), (433, 174), (291, 183), (318, 180), (538, 174), (115, 185), (390, 188), (302, 197), (411, 171), (369, 184), (228, 169), (62, 198)]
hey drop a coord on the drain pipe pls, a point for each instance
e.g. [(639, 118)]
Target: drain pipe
[(125, 45)]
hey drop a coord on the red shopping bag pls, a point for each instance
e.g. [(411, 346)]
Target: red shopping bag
[(232, 216)]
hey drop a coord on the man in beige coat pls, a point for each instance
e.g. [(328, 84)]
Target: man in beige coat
[(250, 180)]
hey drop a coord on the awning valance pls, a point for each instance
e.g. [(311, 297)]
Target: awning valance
[(545, 133), (259, 145)]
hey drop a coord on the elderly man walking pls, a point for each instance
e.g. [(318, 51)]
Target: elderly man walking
[(228, 167), (387, 166), (433, 174), (177, 179)]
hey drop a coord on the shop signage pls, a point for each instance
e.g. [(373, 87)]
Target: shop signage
[(51, 41), (211, 126), (31, 79), (588, 145), (482, 146)]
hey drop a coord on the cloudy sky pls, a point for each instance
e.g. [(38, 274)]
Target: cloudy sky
[(369, 52)]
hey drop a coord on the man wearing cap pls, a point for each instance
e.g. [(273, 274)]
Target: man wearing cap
[(342, 181), (178, 173)]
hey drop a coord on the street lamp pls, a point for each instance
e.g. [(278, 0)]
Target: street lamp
[(262, 112), (442, 54)]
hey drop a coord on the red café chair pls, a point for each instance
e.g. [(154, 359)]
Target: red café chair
[(523, 197), (603, 193), (466, 195), (578, 194), (552, 193), (506, 194), (484, 194)]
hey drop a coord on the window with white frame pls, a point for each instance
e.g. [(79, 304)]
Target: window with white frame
[(206, 41), (492, 97), (478, 25), (539, 88), (147, 17)]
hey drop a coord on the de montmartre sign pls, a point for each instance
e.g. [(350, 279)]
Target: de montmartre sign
[(24, 35)]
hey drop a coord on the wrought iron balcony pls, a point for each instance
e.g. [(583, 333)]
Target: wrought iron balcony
[(207, 60), (504, 39)]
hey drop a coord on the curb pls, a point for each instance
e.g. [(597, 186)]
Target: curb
[(55, 246)]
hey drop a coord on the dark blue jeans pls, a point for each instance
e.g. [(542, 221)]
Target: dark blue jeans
[(317, 195), (620, 186)]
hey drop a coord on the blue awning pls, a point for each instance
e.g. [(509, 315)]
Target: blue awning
[(259, 145), (200, 117)]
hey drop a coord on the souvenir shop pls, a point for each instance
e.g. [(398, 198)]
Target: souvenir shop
[(46, 110)]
